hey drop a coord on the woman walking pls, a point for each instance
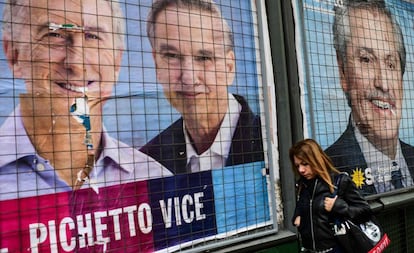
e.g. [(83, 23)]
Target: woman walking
[(316, 208)]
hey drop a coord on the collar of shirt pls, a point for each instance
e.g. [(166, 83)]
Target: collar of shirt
[(380, 164), (137, 165), (13, 134), (15, 144), (216, 155)]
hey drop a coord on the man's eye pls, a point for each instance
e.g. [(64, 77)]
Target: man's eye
[(53, 38), (171, 55), (365, 59), (171, 58), (55, 35), (203, 58), (392, 63), (92, 36)]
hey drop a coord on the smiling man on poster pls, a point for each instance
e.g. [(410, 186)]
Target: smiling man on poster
[(371, 58), (68, 52)]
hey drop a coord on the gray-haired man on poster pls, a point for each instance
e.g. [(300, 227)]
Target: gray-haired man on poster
[(371, 58), (195, 64)]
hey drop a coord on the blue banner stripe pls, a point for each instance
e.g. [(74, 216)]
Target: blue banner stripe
[(182, 208), (240, 196)]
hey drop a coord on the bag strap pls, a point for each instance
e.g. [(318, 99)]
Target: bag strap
[(337, 221), (336, 184)]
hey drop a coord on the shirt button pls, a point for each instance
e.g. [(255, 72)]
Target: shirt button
[(40, 167)]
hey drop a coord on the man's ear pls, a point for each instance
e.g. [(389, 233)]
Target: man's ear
[(118, 59), (230, 66), (154, 56), (342, 75), (12, 55)]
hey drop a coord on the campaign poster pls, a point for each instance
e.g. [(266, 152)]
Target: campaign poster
[(356, 77), (116, 135)]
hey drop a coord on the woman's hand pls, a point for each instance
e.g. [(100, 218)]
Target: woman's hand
[(297, 221), (329, 203)]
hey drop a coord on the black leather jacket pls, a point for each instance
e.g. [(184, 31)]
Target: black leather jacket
[(316, 223)]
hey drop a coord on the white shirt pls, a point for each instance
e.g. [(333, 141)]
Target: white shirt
[(381, 165), (216, 156)]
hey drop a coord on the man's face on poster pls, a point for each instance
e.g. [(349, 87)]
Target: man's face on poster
[(192, 63), (62, 64), (372, 75)]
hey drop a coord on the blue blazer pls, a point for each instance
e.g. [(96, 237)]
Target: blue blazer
[(169, 147), (347, 156)]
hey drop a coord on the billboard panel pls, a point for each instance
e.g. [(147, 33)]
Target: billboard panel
[(356, 59), (129, 126)]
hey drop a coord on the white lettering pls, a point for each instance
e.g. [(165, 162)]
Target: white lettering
[(100, 227), (181, 209), (369, 178), (199, 205), (187, 216), (177, 211), (145, 218), (89, 229), (85, 230), (130, 211), (67, 221), (38, 235), (117, 227), (52, 237), (166, 212)]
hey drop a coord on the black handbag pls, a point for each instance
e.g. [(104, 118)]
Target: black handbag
[(366, 237)]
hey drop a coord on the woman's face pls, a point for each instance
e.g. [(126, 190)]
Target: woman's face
[(304, 169)]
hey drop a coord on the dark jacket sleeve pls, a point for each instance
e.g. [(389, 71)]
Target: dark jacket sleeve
[(295, 214), (350, 204), (299, 203)]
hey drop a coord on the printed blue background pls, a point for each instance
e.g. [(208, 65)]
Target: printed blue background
[(240, 196)]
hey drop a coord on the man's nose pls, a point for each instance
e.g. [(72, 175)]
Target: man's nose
[(188, 72), (382, 77), (75, 55)]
